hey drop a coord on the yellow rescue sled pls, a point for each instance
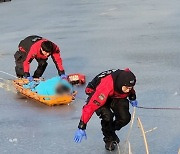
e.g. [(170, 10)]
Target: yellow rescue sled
[(48, 100)]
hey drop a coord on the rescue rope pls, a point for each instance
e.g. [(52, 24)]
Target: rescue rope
[(118, 148), (149, 108), (159, 108), (130, 129), (143, 134), (129, 145)]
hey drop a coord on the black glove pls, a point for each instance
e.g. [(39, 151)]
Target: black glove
[(61, 72), (82, 125)]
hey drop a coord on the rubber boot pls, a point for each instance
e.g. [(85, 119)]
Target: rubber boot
[(115, 138), (109, 144)]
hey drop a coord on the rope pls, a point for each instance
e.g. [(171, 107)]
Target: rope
[(130, 129), (144, 135), (159, 108), (118, 148), (149, 108)]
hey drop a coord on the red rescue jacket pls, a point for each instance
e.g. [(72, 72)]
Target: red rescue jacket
[(32, 46), (104, 89)]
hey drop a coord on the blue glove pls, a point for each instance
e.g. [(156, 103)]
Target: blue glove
[(134, 103), (63, 76), (79, 135), (30, 78)]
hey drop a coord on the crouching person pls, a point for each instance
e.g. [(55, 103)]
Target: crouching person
[(109, 95)]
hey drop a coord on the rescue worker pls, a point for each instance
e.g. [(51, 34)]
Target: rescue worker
[(39, 48), (109, 95)]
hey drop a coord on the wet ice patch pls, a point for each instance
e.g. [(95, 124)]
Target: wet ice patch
[(7, 85), (14, 140), (175, 93)]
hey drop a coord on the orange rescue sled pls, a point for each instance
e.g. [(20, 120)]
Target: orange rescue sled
[(48, 100)]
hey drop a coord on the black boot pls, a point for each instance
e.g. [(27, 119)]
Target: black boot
[(109, 144), (115, 138)]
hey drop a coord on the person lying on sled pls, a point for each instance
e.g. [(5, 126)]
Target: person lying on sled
[(50, 87)]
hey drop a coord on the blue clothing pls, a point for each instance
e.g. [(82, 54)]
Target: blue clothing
[(31, 85), (49, 86)]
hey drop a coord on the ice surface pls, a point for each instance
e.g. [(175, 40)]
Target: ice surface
[(93, 36)]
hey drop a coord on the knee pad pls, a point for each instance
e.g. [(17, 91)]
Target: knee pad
[(119, 123), (126, 119)]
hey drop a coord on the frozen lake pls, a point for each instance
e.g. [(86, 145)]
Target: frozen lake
[(94, 36)]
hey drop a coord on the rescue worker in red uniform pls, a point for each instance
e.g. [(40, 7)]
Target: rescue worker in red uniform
[(109, 95), (39, 48)]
